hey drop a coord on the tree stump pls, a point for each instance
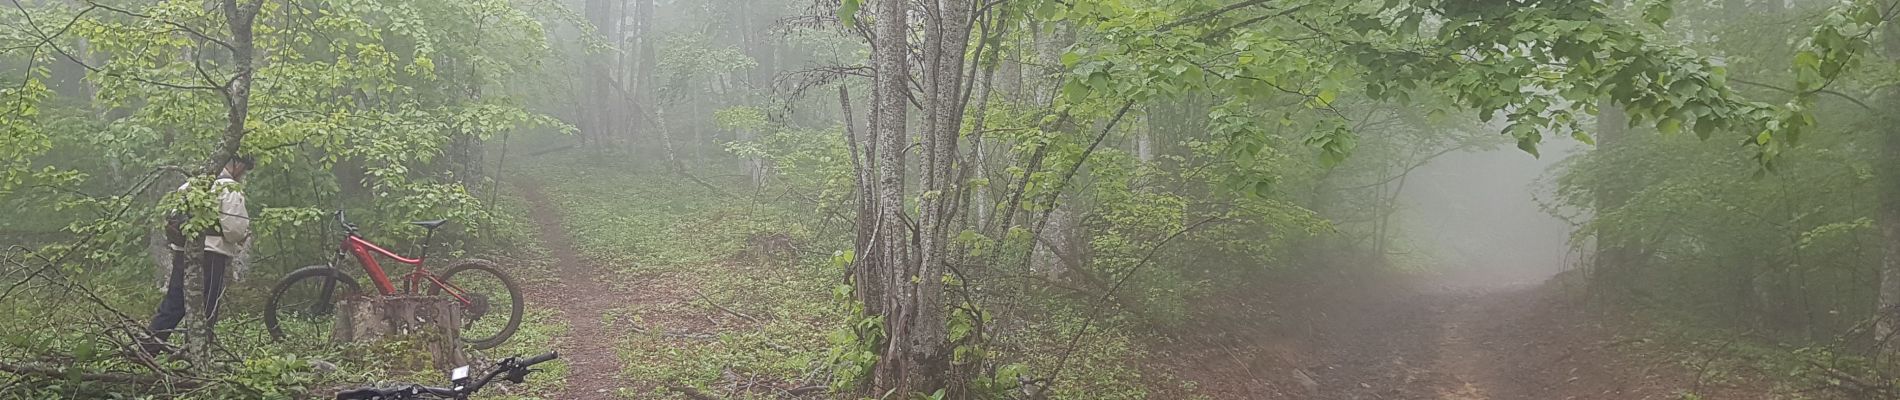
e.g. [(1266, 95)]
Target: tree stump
[(415, 329)]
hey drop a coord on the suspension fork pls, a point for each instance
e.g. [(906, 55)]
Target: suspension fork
[(326, 300)]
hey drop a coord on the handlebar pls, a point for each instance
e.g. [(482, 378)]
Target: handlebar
[(515, 372), (531, 361), (347, 226)]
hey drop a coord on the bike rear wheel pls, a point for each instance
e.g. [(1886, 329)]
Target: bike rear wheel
[(493, 312), (302, 306)]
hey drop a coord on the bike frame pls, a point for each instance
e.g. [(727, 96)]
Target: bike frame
[(357, 246)]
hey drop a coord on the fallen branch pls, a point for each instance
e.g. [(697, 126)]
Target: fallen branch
[(49, 371), (681, 171), (702, 296), (1853, 383), (805, 390)]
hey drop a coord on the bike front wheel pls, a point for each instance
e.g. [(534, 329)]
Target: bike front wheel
[(303, 305), (492, 306)]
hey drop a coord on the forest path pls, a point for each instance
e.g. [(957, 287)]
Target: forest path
[(584, 297), (1418, 339), (1401, 343)]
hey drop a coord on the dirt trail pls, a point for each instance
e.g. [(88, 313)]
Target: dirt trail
[(1419, 341), (583, 296)]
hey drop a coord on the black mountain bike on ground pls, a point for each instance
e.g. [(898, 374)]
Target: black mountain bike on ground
[(509, 369)]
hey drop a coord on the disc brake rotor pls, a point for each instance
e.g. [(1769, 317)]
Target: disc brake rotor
[(477, 307)]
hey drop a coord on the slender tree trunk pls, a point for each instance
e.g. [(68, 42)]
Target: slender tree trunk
[(666, 140), (868, 279), (1614, 267), (891, 59), (237, 96), (602, 107), (1888, 217), (644, 87), (947, 39)]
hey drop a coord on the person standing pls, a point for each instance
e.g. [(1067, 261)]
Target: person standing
[(225, 241)]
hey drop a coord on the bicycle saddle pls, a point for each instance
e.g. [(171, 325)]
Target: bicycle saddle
[(431, 225)]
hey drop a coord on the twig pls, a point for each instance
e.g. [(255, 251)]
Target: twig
[(702, 296), (805, 390), (1096, 310), (1855, 100), (1208, 15)]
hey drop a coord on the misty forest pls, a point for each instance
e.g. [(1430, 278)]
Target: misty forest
[(950, 199)]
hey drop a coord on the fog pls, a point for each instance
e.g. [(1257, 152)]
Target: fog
[(1476, 217)]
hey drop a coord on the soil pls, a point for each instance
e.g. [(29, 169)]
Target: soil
[(584, 298), (1388, 337), (1399, 338)]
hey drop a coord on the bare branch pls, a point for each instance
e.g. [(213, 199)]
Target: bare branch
[(1208, 15)]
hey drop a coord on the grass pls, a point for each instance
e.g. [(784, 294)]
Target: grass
[(732, 321), (700, 246)]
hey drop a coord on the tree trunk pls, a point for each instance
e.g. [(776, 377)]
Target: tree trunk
[(1144, 141), (1613, 269), (641, 82), (601, 105), (867, 279), (1888, 217), (643, 66), (417, 325), (886, 252), (237, 94)]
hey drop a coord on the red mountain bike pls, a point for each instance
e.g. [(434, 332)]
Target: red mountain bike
[(302, 304)]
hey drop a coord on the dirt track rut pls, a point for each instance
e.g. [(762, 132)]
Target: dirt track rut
[(583, 296)]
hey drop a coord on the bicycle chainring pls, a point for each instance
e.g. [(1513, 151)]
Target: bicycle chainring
[(477, 307)]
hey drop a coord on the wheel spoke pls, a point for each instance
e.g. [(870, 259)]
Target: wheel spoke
[(492, 311)]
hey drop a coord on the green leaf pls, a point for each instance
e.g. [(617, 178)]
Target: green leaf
[(1582, 136), (1659, 12), (1051, 11), (1669, 126), (1326, 96), (1528, 145), (1705, 127), (848, 11), (1075, 91)]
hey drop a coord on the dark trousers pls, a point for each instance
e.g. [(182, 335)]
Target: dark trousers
[(171, 310)]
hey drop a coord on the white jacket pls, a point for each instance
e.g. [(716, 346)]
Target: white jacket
[(233, 219)]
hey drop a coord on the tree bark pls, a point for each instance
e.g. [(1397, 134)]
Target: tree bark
[(1613, 268), (641, 81), (868, 279), (886, 253), (1888, 218), (946, 40), (601, 106)]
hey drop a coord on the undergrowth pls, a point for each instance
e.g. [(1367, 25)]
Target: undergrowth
[(250, 364), (749, 283)]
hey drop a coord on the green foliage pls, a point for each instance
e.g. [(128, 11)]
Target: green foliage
[(853, 348), (659, 228)]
